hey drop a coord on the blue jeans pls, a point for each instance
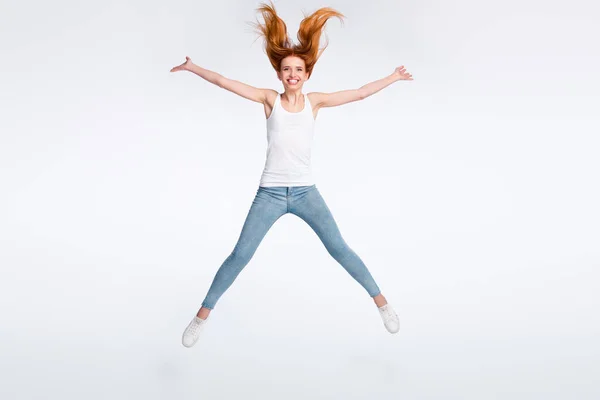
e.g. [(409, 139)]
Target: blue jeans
[(268, 206)]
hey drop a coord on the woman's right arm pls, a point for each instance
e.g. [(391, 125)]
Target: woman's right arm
[(249, 92)]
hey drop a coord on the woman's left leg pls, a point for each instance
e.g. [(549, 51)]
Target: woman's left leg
[(309, 205)]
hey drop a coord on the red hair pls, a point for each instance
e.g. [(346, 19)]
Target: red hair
[(278, 44)]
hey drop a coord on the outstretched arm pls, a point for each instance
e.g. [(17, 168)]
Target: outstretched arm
[(239, 88), (347, 96)]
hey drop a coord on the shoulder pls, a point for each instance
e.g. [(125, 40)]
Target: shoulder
[(316, 98), (270, 96)]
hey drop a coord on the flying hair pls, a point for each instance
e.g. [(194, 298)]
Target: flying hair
[(278, 44)]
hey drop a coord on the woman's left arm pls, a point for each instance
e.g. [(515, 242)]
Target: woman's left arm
[(347, 96)]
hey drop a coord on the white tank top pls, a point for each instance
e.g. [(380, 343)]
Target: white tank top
[(289, 144)]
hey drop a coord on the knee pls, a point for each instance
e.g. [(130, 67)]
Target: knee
[(338, 248), (240, 256)]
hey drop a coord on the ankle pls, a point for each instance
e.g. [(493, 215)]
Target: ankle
[(380, 300), (203, 313)]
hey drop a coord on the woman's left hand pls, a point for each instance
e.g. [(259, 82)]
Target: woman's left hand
[(401, 74)]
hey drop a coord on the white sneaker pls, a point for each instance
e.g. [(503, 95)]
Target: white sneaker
[(192, 332), (390, 318)]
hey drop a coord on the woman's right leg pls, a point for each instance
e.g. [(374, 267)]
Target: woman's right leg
[(267, 207)]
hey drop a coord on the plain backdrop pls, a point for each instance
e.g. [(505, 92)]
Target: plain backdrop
[(471, 193)]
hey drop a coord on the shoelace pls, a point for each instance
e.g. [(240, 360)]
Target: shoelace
[(194, 328), (388, 313)]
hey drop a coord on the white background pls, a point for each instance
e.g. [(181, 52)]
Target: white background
[(471, 193)]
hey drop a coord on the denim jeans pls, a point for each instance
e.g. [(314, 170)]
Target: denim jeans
[(270, 203)]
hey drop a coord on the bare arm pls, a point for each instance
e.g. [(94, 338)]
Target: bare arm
[(348, 96), (249, 92)]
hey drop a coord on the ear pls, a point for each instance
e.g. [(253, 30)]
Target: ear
[(279, 75)]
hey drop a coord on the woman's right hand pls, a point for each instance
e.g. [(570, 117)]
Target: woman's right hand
[(183, 67)]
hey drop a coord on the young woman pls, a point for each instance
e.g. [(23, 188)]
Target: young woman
[(287, 184)]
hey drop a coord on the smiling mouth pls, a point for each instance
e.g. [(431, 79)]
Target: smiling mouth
[(293, 81)]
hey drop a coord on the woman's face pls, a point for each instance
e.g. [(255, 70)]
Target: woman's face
[(292, 72)]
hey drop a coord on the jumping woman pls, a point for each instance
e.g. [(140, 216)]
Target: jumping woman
[(287, 184)]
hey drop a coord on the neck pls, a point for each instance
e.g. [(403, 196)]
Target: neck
[(293, 96)]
